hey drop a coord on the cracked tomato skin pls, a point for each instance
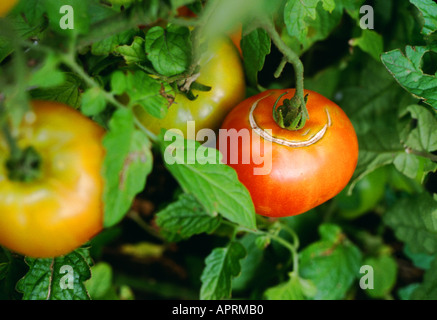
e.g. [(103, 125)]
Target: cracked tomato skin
[(222, 70), (62, 208), (6, 6), (300, 178)]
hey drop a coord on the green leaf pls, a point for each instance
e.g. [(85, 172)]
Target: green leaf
[(352, 7), (60, 278), (406, 69), (32, 12), (405, 293), (11, 270), (407, 164), (98, 11), (121, 2), (133, 53), (296, 16), (311, 20), (215, 185), (370, 42), (383, 145), (68, 92), (110, 44), (318, 29), (48, 75), (384, 273), (328, 5), (422, 137), (373, 100), (332, 263), (428, 289), (169, 49), (179, 3), (77, 12), (93, 102), (184, 218), (127, 164), (101, 281), (378, 148), (221, 266), (428, 9), (118, 83), (420, 260), (295, 288), (369, 96), (414, 221), (324, 82), (255, 47), (250, 263), (21, 27), (143, 90)]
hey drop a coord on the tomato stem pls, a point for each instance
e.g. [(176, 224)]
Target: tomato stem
[(294, 114)]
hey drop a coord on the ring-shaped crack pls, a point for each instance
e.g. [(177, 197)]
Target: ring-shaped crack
[(285, 142)]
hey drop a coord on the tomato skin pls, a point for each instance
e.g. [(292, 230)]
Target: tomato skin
[(6, 6), (301, 178), (222, 70), (61, 209)]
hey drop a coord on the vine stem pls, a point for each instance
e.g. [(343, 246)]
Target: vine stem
[(423, 154), (109, 97), (19, 66), (289, 56), (273, 236), (198, 35), (289, 246), (142, 224)]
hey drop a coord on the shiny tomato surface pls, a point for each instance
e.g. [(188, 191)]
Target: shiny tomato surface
[(308, 166)]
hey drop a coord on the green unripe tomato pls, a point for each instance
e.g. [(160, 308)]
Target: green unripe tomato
[(221, 69), (365, 196)]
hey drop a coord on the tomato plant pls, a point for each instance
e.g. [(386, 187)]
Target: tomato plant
[(309, 166), (100, 199), (59, 208)]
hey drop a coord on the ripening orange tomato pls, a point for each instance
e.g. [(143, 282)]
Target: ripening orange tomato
[(60, 208), (308, 166)]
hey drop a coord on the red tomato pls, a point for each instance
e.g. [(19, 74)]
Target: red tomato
[(308, 166)]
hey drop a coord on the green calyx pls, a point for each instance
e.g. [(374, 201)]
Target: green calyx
[(196, 86), (292, 113), (24, 166)]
